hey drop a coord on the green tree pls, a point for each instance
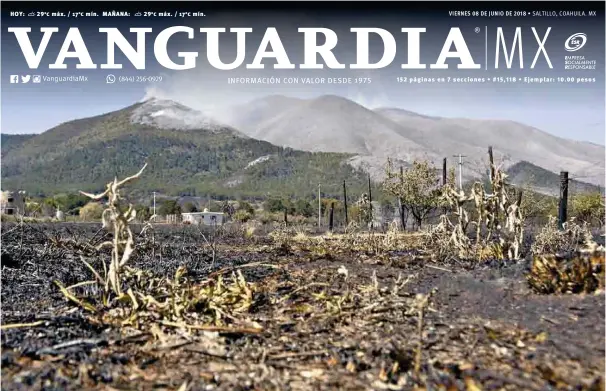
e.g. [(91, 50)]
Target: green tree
[(48, 207), (588, 208), (242, 216), (325, 204), (536, 208), (143, 212), (215, 206), (418, 187), (245, 206), (289, 206), (339, 211), (189, 207), (33, 208), (70, 203), (354, 212), (91, 211), (169, 207), (304, 208), (273, 205), (227, 208)]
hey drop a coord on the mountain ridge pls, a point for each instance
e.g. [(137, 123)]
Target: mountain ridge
[(190, 149), (419, 136), (86, 153)]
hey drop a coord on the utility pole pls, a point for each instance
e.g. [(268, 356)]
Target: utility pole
[(153, 214), (460, 170), (319, 208), (372, 220)]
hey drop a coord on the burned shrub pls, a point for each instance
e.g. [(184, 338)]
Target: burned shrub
[(566, 260), (581, 272)]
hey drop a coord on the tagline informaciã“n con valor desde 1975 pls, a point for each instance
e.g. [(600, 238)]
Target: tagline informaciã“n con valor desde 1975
[(412, 80)]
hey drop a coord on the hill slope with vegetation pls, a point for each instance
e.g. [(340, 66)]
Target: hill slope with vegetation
[(87, 153), (526, 174)]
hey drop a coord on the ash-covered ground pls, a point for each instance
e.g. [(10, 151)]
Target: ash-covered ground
[(347, 321)]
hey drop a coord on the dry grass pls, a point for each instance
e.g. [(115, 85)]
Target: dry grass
[(134, 298), (290, 239), (497, 222), (551, 240)]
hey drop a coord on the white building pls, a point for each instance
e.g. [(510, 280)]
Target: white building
[(206, 218)]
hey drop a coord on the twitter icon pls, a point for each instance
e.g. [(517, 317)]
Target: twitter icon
[(25, 79)]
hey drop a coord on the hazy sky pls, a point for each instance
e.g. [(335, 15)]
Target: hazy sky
[(571, 110)]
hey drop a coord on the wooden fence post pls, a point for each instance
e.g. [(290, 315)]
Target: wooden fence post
[(492, 173), (519, 200), (345, 204), (491, 160), (332, 212)]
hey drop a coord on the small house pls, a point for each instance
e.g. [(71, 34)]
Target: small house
[(12, 202), (205, 218)]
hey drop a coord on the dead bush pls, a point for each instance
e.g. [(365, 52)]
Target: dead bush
[(134, 297), (551, 240), (91, 211), (497, 222)]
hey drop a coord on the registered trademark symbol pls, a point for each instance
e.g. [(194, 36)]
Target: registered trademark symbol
[(477, 30)]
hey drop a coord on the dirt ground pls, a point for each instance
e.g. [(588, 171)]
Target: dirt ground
[(348, 321)]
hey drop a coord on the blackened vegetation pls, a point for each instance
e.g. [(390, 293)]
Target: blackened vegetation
[(317, 319), (574, 273)]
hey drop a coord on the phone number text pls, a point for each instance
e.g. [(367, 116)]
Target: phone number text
[(139, 79)]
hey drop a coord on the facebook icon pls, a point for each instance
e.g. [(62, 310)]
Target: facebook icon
[(14, 78)]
